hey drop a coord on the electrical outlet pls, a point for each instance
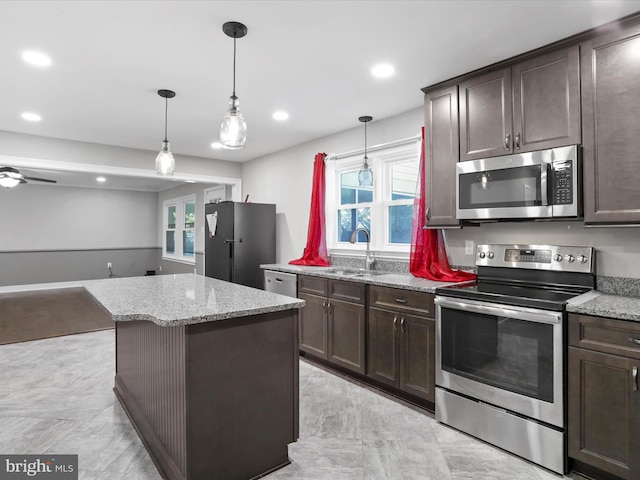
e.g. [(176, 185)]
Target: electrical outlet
[(469, 247), (159, 268), (109, 265)]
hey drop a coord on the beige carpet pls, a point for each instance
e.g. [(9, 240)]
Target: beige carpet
[(40, 314)]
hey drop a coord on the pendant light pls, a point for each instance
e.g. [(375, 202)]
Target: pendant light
[(365, 175), (233, 131), (165, 164)]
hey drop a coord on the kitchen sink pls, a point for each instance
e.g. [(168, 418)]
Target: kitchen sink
[(354, 272)]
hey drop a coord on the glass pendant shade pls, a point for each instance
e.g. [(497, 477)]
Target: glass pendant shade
[(165, 164), (365, 175), (233, 130)]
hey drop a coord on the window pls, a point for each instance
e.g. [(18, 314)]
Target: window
[(385, 210), (179, 229)]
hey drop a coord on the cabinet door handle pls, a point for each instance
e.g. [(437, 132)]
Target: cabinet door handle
[(517, 141), (395, 324), (401, 300), (324, 307), (329, 307), (402, 325), (634, 340), (507, 141), (634, 376), (428, 214)]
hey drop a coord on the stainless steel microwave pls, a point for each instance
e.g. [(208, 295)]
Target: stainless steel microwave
[(541, 184)]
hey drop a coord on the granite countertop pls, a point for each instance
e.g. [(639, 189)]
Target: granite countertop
[(173, 300), (404, 281), (601, 304)]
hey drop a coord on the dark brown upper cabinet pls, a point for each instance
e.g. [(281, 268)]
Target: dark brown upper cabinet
[(441, 155), (611, 127), (531, 105)]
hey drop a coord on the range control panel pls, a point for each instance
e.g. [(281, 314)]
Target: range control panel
[(538, 257)]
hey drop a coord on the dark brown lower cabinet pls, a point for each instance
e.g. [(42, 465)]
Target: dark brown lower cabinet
[(332, 323), (604, 401), (401, 345)]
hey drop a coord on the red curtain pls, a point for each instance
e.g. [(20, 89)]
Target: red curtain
[(428, 252), (315, 253)]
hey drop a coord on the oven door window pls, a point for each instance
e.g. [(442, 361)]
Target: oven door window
[(508, 187), (507, 353)]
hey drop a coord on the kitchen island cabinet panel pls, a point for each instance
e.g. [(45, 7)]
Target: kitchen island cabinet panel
[(611, 131)]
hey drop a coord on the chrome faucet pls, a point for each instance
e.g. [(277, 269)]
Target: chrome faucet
[(370, 257)]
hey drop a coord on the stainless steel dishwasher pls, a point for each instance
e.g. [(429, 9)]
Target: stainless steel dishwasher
[(282, 283)]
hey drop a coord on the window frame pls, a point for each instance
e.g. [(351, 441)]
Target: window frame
[(180, 204), (381, 161)]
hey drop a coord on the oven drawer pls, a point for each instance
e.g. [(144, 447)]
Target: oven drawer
[(607, 335), (418, 303)]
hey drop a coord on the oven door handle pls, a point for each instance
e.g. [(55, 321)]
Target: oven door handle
[(529, 314)]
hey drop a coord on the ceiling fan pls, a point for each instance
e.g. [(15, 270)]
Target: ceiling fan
[(10, 177)]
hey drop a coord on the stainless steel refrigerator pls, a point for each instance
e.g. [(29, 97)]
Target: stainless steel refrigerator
[(239, 237)]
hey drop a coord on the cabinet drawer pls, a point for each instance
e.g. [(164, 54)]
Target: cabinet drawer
[(314, 285), (607, 335), (347, 291), (418, 303)]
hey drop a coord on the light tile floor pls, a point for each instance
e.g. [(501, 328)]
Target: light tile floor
[(56, 397)]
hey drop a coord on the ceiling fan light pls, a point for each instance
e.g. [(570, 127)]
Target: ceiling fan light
[(233, 130), (165, 163), (9, 182)]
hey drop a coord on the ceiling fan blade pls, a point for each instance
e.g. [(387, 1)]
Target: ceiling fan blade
[(35, 179)]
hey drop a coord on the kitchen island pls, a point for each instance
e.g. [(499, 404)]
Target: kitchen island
[(207, 372)]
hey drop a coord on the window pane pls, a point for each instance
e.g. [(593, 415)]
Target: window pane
[(351, 192), (171, 241), (171, 217), (350, 219), (400, 221), (188, 240), (189, 215), (404, 178)]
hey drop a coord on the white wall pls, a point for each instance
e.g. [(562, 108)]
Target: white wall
[(44, 217), (284, 178)]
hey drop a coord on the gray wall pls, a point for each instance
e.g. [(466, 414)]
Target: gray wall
[(284, 178), (53, 233)]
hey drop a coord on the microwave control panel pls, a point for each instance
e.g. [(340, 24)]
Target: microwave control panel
[(562, 177)]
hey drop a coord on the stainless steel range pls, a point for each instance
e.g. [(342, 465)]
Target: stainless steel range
[(501, 348)]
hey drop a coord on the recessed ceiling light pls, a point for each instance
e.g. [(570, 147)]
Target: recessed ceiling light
[(38, 59), (383, 70), (216, 145), (31, 117), (190, 181), (280, 115), (101, 179)]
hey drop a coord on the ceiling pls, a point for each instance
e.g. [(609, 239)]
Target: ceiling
[(311, 58)]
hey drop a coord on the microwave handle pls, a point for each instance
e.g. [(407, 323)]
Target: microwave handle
[(545, 184)]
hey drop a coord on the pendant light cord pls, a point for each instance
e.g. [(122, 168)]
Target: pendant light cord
[(365, 141), (234, 66), (166, 112)]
